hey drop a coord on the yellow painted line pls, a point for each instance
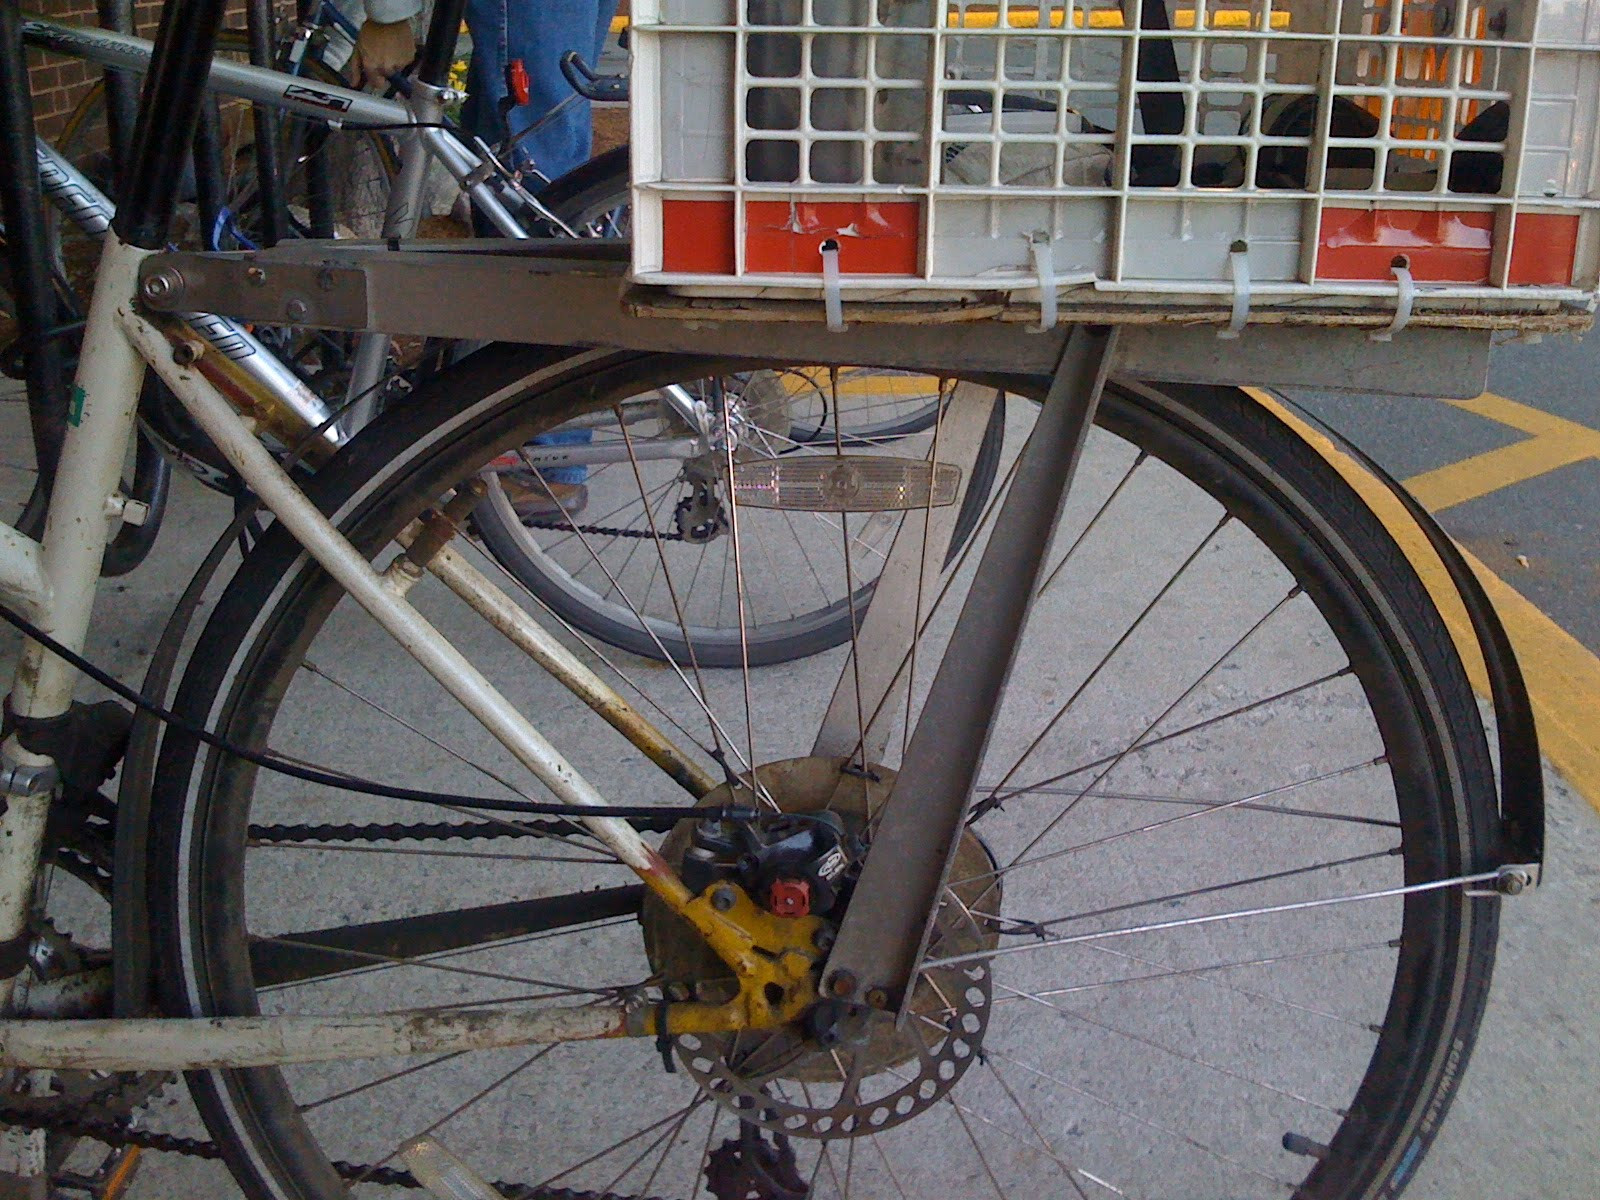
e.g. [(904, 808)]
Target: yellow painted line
[(1555, 443), (1563, 676), (1529, 419)]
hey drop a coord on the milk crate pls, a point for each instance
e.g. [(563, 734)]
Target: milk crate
[(1315, 160)]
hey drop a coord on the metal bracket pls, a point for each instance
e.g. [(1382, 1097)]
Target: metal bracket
[(575, 292), (1514, 879)]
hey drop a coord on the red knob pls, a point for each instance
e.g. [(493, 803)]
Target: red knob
[(517, 81), (789, 897)]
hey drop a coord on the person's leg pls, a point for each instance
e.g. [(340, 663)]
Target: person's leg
[(539, 33)]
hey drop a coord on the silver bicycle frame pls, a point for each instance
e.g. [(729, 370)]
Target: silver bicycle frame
[(91, 211)]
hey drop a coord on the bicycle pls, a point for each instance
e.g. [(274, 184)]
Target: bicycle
[(815, 976), (880, 408)]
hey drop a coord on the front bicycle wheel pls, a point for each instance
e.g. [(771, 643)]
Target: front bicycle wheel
[(1197, 953)]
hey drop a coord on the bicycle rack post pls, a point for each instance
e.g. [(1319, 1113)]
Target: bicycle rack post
[(168, 110), (269, 179), (885, 932), (122, 91)]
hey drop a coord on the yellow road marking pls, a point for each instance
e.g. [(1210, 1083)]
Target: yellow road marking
[(1555, 443), (1563, 676)]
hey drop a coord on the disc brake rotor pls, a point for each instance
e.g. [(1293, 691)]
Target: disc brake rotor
[(852, 1072)]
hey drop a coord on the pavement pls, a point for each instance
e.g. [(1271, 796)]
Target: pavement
[(1514, 476)]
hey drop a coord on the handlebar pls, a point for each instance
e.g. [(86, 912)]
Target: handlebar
[(589, 83)]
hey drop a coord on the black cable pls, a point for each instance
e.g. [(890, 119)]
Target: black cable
[(351, 783)]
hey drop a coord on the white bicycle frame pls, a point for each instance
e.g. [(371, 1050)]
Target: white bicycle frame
[(54, 583)]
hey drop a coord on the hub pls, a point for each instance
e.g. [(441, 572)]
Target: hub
[(859, 1072)]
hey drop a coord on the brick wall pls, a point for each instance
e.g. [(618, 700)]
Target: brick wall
[(60, 83)]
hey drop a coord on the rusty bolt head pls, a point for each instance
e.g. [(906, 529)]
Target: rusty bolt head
[(256, 276), (296, 310), (722, 899), (843, 983), (877, 998), (187, 352)]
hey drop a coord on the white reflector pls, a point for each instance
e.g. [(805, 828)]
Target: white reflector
[(845, 483), (442, 1173)]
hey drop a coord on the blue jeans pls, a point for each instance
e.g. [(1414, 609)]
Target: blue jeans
[(538, 32)]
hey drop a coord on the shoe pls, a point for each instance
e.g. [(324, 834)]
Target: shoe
[(535, 499)]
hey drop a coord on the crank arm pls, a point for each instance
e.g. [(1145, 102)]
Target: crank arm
[(885, 930)]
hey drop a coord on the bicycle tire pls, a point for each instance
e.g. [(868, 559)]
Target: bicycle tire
[(593, 200), (576, 562), (1358, 1017)]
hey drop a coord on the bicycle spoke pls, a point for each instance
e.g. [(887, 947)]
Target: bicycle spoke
[(1212, 918)]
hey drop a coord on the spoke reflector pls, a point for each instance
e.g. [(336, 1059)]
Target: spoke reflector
[(845, 483)]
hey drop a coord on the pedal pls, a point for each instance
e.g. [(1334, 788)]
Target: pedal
[(845, 483)]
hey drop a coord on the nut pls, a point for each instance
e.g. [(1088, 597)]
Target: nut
[(843, 983), (877, 998), (722, 899), (296, 310), (256, 276)]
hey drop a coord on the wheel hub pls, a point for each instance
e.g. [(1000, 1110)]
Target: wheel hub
[(847, 1069)]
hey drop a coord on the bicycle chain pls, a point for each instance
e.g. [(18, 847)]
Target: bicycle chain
[(666, 535), (551, 827), (118, 1134)]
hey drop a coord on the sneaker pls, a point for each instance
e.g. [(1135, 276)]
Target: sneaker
[(534, 499)]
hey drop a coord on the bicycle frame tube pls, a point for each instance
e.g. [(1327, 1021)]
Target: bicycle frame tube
[(259, 85), (289, 93), (242, 366)]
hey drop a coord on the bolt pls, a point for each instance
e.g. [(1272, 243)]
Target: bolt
[(877, 998), (722, 899), (256, 276), (326, 279), (843, 983), (1513, 882), (296, 310), (187, 352), (822, 938), (162, 285)]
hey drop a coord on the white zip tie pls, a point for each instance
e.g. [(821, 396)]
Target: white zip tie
[(1239, 268), (1044, 267), (1402, 305), (832, 286)]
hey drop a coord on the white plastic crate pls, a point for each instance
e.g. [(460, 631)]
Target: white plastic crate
[(1298, 157)]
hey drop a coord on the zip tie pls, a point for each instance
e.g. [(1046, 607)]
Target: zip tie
[(1239, 268), (1401, 267), (1044, 267), (832, 288)]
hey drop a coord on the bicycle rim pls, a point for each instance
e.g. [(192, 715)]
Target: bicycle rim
[(1231, 698)]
